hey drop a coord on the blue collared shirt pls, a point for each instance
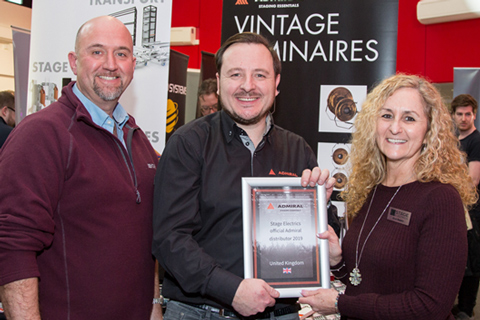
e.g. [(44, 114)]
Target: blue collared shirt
[(101, 118)]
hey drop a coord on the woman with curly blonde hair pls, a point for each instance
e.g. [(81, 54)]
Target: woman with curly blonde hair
[(405, 253)]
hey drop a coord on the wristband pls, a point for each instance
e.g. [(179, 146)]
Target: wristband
[(336, 302)]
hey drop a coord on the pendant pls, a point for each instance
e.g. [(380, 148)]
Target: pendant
[(355, 277)]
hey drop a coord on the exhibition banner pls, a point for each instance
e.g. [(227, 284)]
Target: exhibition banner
[(54, 27), (332, 53), (177, 92), (21, 53), (208, 69)]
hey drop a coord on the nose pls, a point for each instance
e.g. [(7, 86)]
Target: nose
[(396, 126), (110, 62), (248, 83)]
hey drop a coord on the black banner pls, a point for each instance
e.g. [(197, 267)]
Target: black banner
[(177, 92), (332, 53), (208, 69)]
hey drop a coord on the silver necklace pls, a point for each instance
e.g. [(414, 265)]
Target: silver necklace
[(355, 275)]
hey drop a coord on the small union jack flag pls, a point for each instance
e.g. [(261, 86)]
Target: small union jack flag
[(287, 270)]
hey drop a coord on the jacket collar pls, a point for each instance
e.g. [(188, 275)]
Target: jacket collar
[(70, 100), (230, 129)]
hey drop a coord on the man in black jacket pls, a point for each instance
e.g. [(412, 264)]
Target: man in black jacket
[(198, 199), (7, 115), (464, 112)]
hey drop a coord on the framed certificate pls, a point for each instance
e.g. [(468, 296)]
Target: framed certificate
[(280, 222)]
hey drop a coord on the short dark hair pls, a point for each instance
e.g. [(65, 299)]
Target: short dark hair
[(7, 99), (208, 86), (464, 100), (248, 37)]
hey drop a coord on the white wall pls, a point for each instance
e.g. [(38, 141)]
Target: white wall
[(10, 15), (193, 78)]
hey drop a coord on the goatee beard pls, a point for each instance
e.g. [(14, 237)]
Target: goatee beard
[(108, 95), (238, 119)]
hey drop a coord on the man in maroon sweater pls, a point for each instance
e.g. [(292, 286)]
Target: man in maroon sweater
[(76, 218)]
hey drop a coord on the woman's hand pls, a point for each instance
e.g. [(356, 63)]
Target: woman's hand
[(335, 251), (321, 300), (314, 176)]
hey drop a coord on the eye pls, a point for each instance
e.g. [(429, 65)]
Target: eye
[(96, 52), (386, 116), (260, 75)]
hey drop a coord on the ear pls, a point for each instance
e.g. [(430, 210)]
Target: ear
[(277, 82), (72, 59), (218, 83), (3, 111), (134, 65)]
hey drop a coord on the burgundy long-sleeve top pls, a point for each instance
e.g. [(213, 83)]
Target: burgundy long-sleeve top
[(410, 270)]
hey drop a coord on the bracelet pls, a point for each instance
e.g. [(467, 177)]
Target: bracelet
[(336, 302), (338, 269), (157, 300), (340, 277)]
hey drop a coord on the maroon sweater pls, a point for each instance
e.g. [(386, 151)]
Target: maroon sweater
[(408, 272), (77, 213)]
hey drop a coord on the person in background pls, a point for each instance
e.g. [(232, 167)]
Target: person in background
[(207, 98), (404, 254), (198, 233), (76, 233), (464, 113), (7, 115)]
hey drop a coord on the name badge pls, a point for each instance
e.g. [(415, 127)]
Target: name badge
[(399, 216)]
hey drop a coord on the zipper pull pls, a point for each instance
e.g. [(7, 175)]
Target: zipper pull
[(139, 198)]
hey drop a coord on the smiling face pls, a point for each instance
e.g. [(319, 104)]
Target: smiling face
[(103, 61), (247, 83), (401, 127)]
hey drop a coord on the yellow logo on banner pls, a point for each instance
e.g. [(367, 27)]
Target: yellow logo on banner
[(241, 2), (172, 115)]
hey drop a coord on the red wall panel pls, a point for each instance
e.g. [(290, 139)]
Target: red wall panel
[(210, 25), (186, 13), (410, 40), (434, 50), (449, 45), (206, 16)]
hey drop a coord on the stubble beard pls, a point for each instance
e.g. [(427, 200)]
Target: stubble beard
[(238, 119), (466, 128), (108, 95), (11, 122)]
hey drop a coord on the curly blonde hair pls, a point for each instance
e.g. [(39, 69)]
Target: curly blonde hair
[(440, 160)]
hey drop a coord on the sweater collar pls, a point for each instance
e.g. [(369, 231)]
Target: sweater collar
[(100, 117)]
